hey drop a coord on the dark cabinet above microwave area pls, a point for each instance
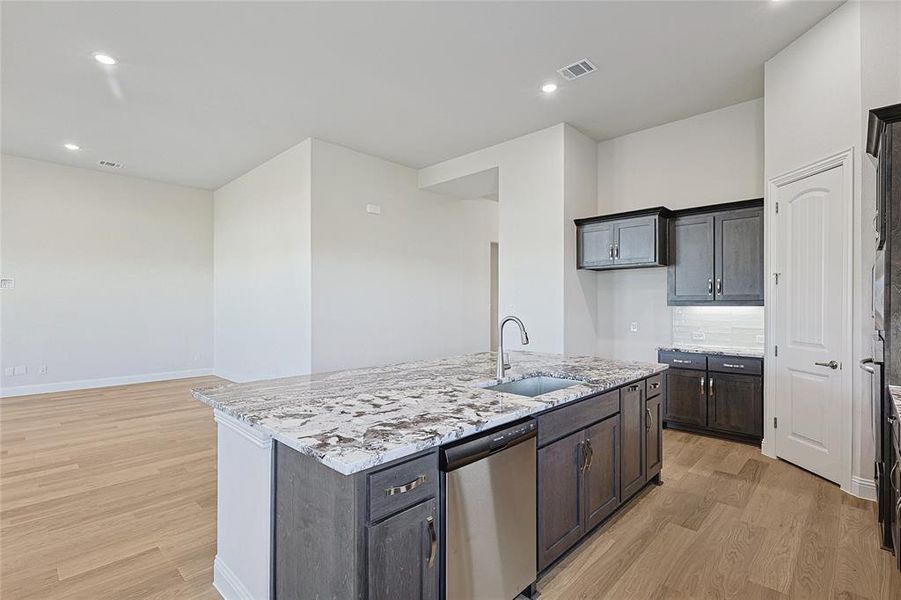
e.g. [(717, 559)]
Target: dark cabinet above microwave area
[(714, 254)]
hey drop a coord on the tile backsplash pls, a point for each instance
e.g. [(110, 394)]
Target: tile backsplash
[(718, 326)]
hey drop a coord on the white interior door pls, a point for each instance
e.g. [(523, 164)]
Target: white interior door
[(811, 321)]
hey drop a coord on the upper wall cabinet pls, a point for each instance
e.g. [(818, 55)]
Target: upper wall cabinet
[(717, 256), (627, 240)]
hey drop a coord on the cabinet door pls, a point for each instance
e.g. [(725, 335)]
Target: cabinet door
[(636, 241), (653, 415), (739, 256), (595, 245), (735, 403), (632, 417), (559, 497), (690, 274), (600, 477), (402, 553), (686, 397)]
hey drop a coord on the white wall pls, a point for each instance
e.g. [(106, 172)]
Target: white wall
[(409, 283), (579, 199), (818, 92), (113, 277), (706, 159), (531, 244), (262, 270)]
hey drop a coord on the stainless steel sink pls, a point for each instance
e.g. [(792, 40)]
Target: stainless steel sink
[(533, 386)]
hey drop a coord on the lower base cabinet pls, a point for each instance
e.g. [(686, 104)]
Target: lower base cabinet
[(716, 394), (402, 554), (735, 403), (560, 505), (585, 473), (632, 416), (654, 440)]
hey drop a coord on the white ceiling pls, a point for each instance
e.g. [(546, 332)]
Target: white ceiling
[(205, 91)]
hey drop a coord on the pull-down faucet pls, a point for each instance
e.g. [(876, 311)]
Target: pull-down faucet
[(524, 338)]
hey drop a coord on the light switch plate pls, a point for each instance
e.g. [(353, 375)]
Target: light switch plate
[(633, 326), (7, 284), (9, 372), (373, 209), (20, 370)]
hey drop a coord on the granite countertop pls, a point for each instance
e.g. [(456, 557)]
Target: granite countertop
[(354, 420), (895, 391), (719, 350)]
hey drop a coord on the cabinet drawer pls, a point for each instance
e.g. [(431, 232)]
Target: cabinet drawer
[(572, 417), (403, 485), (683, 360), (735, 364), (655, 385)]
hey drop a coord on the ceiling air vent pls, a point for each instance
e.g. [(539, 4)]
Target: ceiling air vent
[(110, 164), (577, 69)]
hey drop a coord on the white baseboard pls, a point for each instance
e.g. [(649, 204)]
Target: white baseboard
[(863, 488), (84, 384), (230, 376), (227, 583)]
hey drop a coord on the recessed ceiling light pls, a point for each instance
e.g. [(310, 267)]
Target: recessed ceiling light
[(549, 88), (72, 146), (104, 59)]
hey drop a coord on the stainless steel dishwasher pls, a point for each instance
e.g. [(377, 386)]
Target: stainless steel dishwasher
[(490, 516)]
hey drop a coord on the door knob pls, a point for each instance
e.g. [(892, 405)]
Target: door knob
[(831, 364)]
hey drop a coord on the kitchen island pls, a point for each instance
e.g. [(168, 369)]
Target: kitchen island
[(302, 462)]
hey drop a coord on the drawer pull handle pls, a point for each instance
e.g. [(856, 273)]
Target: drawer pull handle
[(647, 421), (681, 362), (587, 455), (633, 388), (407, 487), (702, 387), (709, 287), (433, 541), (655, 385), (733, 366)]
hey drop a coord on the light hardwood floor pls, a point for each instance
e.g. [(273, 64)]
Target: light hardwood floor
[(111, 494)]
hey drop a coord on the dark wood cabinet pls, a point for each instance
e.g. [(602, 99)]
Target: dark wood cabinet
[(686, 397), (600, 478), (595, 245), (717, 394), (717, 255), (735, 403), (402, 552), (738, 257), (690, 275), (560, 504), (654, 436), (635, 242), (626, 240), (632, 419)]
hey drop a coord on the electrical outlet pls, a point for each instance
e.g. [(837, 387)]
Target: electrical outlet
[(760, 339), (373, 209), (20, 370), (42, 369), (697, 336), (633, 326)]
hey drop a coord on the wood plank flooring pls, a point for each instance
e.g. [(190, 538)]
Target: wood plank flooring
[(111, 493), (729, 522)]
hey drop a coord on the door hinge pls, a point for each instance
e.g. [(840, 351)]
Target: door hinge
[(777, 208), (776, 350), (776, 277), (775, 422)]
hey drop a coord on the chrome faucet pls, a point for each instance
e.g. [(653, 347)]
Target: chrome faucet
[(524, 338)]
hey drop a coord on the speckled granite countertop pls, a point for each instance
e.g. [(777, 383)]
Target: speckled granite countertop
[(895, 391), (354, 420), (747, 352)]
